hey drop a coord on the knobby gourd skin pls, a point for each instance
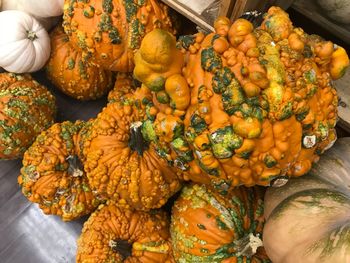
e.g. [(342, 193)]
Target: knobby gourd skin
[(53, 176), (113, 234), (119, 163), (122, 85), (307, 220), (26, 109), (209, 227), (108, 31), (71, 74), (246, 105)]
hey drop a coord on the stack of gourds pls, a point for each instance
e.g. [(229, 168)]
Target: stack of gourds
[(230, 111)]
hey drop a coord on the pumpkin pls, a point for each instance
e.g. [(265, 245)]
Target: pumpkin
[(108, 32), (250, 105), (71, 74), (38, 8), (52, 174), (119, 164), (25, 45), (26, 109), (207, 226), (307, 220), (112, 234)]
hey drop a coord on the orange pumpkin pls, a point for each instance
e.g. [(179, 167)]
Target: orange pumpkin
[(52, 174), (112, 234), (71, 74), (120, 165), (26, 109), (108, 31), (249, 105), (209, 227)]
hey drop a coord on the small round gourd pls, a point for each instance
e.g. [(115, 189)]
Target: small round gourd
[(52, 174), (26, 109), (108, 32), (120, 164), (71, 74)]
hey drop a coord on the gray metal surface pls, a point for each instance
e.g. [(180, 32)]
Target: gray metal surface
[(26, 234)]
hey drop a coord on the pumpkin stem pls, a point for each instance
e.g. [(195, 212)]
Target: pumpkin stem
[(248, 245), (279, 181), (121, 247), (136, 142), (31, 35), (75, 167)]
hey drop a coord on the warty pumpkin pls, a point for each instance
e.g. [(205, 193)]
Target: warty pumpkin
[(108, 31), (113, 234), (71, 74), (209, 227), (119, 164), (53, 176), (251, 105), (307, 220), (26, 109)]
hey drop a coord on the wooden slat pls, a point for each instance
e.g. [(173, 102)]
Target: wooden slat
[(189, 14), (226, 7)]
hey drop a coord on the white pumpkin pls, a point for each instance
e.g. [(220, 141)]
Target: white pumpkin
[(24, 43), (38, 8)]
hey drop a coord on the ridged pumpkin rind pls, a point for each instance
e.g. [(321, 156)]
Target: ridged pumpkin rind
[(205, 225), (130, 175), (146, 233), (307, 220)]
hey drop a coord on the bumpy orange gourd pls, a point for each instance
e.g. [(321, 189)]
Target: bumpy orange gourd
[(119, 164), (209, 227), (250, 105), (112, 234), (52, 174), (108, 31), (26, 109), (71, 74)]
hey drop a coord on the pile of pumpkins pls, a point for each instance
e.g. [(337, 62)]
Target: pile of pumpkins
[(216, 116)]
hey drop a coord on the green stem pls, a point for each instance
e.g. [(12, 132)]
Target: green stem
[(248, 245)]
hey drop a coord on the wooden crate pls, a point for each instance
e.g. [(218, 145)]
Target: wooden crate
[(229, 8)]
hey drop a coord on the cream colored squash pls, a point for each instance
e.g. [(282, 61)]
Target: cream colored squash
[(38, 8), (308, 219), (24, 43)]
